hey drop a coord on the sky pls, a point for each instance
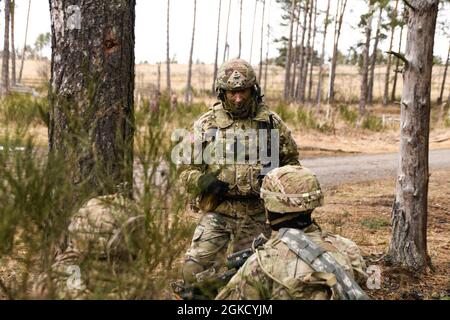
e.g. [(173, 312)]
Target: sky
[(151, 28)]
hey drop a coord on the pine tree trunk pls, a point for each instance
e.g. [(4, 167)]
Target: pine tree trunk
[(240, 29), (408, 245), (389, 62), (253, 32), (5, 64), (441, 95), (304, 75), (302, 54), (216, 59), (188, 94), (25, 42), (266, 67), (340, 14), (322, 58), (311, 69), (13, 44), (366, 62), (397, 66), (295, 56), (168, 81), (226, 50), (287, 74), (92, 87), (262, 41), (373, 61), (158, 83)]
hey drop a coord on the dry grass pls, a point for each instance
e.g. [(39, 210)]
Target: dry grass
[(362, 212)]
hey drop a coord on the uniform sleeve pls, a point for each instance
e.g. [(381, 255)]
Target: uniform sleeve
[(289, 154), (249, 283), (190, 173)]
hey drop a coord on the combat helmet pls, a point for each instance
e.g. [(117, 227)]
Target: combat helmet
[(291, 190), (236, 74)]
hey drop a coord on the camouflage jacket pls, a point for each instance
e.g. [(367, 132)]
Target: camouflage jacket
[(244, 179), (276, 273)]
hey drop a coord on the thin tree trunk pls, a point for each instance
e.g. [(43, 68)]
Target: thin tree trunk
[(441, 95), (295, 57), (216, 59), (13, 44), (169, 86), (188, 94), (25, 43), (253, 32), (322, 58), (365, 71), (92, 92), (397, 66), (226, 50), (301, 58), (261, 45), (341, 12), (389, 62), (373, 60), (5, 64), (240, 29), (308, 54), (287, 74), (267, 50), (311, 69), (408, 246)]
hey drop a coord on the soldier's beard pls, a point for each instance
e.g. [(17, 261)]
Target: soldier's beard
[(242, 110)]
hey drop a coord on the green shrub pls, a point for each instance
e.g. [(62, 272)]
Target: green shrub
[(375, 223), (349, 116), (372, 123)]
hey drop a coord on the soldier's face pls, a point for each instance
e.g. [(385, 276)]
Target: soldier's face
[(239, 98)]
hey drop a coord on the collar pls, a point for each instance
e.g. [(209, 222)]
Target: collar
[(224, 119)]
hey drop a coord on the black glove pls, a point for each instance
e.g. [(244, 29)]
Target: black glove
[(210, 184)]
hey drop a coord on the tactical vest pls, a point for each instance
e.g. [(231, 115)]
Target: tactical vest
[(322, 261), (244, 177)]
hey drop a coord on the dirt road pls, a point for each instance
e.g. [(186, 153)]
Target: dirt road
[(337, 170)]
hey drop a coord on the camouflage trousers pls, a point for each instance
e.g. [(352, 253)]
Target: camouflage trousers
[(216, 236)]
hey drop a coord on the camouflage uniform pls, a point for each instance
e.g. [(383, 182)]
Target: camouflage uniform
[(98, 232), (275, 271), (238, 216)]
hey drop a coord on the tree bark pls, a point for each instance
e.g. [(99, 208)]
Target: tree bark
[(5, 64), (304, 74), (301, 58), (340, 13), (397, 66), (311, 69), (287, 74), (373, 60), (389, 62), (408, 246), (366, 62), (441, 95), (25, 42), (168, 82), (226, 50), (13, 44), (322, 58), (262, 41), (253, 32), (240, 29), (92, 87), (216, 59), (295, 56), (188, 94)]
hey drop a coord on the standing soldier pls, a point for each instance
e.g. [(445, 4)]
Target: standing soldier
[(301, 261), (227, 195)]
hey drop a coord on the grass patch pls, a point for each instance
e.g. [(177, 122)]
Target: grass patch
[(375, 223), (372, 123)]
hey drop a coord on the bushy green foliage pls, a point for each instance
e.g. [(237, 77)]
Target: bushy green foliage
[(372, 123), (348, 115), (23, 110), (37, 201)]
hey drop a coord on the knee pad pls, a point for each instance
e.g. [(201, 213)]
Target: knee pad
[(190, 269)]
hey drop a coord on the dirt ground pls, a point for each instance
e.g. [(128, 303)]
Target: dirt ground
[(362, 212)]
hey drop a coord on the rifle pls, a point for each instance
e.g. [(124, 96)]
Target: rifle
[(209, 282)]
